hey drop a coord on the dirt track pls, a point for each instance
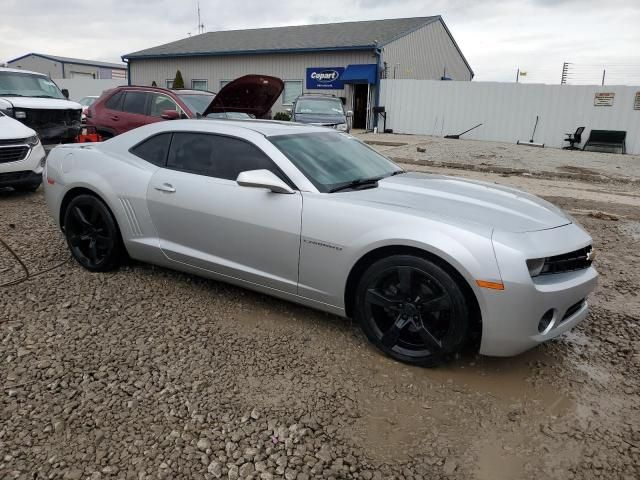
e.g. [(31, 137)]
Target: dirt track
[(147, 373)]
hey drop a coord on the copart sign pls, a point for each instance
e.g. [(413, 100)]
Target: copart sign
[(325, 78)]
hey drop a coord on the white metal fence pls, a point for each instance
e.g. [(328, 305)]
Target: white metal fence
[(83, 87), (508, 110)]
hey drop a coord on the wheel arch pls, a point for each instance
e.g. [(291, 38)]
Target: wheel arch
[(80, 190), (376, 254)]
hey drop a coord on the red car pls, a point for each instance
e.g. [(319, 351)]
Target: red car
[(125, 108)]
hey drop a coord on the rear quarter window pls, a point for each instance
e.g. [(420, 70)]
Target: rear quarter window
[(115, 101), (154, 149)]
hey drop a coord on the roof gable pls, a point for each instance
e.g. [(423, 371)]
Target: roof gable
[(77, 61)]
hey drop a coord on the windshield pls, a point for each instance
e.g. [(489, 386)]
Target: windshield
[(320, 106), (18, 84), (231, 115), (197, 103), (331, 159), (87, 101)]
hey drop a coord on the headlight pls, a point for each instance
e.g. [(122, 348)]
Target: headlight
[(342, 127), (535, 266), (33, 141), (21, 114)]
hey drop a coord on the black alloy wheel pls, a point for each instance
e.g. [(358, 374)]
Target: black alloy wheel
[(92, 234), (412, 309)]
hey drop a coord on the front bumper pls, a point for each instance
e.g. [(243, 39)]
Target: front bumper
[(511, 317), (27, 171)]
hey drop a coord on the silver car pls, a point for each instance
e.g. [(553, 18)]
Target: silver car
[(425, 263)]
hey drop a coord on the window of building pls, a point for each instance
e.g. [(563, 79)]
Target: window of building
[(216, 156), (292, 90), (135, 102), (169, 83), (154, 149), (199, 84), (223, 83), (160, 103)]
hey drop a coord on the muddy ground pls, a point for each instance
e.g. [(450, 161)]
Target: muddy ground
[(145, 373)]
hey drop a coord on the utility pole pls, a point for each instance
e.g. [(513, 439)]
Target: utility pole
[(517, 75), (604, 72), (200, 24)]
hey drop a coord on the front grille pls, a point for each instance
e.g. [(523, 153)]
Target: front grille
[(43, 118), (568, 262), (13, 141), (13, 176), (13, 154)]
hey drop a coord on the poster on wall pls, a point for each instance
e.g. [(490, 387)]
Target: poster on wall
[(325, 78), (636, 102), (603, 99)]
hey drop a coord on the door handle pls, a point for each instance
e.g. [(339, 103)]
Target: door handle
[(115, 117), (165, 187)]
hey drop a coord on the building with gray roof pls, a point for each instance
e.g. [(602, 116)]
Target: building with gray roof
[(345, 59)]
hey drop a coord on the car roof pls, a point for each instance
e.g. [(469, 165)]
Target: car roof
[(268, 128), (164, 90), (20, 70)]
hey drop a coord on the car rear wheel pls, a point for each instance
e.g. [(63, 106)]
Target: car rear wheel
[(412, 309), (92, 234)]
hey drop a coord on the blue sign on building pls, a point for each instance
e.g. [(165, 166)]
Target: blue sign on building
[(325, 78)]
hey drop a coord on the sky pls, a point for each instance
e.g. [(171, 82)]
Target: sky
[(497, 37)]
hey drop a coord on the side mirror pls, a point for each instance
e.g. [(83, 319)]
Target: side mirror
[(263, 179), (289, 110), (65, 92), (170, 115), (349, 114)]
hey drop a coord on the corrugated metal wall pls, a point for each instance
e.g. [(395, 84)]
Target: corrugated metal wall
[(287, 66), (507, 110), (425, 54)]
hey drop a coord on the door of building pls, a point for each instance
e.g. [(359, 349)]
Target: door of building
[(360, 93)]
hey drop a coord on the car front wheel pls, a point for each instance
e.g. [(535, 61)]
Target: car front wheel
[(92, 234), (412, 309)]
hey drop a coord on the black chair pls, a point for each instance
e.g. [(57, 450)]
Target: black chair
[(574, 138)]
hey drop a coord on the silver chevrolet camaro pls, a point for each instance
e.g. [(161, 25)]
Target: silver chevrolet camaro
[(427, 264)]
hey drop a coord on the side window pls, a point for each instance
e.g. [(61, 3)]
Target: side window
[(135, 102), (154, 150), (216, 156), (115, 101), (160, 103)]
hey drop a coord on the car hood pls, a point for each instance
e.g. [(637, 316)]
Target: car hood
[(12, 129), (251, 94), (466, 201), (41, 103), (320, 119)]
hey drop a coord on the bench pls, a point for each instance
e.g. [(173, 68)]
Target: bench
[(612, 141)]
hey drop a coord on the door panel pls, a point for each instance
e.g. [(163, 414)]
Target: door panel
[(215, 224)]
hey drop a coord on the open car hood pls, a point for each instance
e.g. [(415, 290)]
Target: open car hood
[(252, 94)]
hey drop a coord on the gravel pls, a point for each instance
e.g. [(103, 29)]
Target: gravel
[(146, 373)]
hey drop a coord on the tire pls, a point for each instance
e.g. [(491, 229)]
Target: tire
[(413, 310), (92, 234)]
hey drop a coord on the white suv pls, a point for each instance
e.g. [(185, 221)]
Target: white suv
[(22, 156)]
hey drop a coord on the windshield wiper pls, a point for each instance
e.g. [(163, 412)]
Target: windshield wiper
[(43, 96), (360, 182), (10, 95), (397, 172)]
